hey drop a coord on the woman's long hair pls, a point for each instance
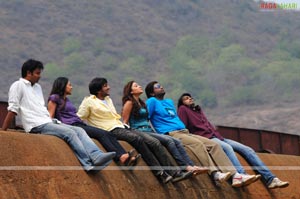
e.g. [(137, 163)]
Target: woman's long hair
[(136, 105), (59, 87)]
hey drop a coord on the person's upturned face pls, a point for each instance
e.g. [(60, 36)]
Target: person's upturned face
[(187, 100), (158, 89), (104, 91), (69, 88), (136, 89), (34, 76)]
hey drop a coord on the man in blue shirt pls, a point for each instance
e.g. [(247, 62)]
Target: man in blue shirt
[(164, 118)]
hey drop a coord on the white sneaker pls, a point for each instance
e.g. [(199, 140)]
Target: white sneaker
[(239, 180), (221, 177), (257, 177), (276, 183)]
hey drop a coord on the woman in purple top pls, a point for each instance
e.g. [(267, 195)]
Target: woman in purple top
[(61, 108)]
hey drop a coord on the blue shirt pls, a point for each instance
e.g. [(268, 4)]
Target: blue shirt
[(163, 115)]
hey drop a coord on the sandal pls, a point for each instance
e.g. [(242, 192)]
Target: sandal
[(132, 159), (136, 160), (200, 170)]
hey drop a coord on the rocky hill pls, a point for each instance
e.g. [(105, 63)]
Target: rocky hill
[(274, 117)]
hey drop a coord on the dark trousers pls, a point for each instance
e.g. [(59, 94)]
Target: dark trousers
[(152, 151), (108, 140)]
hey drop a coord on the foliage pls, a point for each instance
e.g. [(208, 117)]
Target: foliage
[(71, 45), (98, 46), (229, 55), (75, 61)]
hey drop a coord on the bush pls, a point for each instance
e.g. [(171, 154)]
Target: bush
[(71, 45)]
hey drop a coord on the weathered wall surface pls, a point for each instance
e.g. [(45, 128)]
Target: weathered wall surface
[(39, 166)]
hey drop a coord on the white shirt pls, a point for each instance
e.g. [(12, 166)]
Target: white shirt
[(27, 101)]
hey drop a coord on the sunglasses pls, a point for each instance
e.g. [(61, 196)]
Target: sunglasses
[(157, 86), (187, 98)]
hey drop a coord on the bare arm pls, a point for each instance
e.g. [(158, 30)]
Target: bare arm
[(51, 108), (126, 111), (8, 119)]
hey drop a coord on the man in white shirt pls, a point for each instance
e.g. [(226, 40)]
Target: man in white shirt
[(26, 100)]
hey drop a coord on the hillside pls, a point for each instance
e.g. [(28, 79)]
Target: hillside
[(231, 55), (274, 117)]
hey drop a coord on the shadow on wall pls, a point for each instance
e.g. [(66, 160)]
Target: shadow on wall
[(41, 166)]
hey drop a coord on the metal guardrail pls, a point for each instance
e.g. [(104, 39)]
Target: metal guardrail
[(263, 140), (3, 113)]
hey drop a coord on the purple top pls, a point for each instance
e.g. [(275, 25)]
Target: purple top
[(197, 123), (65, 110)]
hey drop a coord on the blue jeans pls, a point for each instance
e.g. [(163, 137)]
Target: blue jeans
[(84, 148), (175, 148), (229, 146)]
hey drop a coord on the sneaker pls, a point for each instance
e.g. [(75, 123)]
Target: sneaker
[(182, 176), (276, 183), (221, 177), (239, 180), (257, 177), (165, 177)]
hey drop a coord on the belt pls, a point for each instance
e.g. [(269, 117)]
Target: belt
[(143, 127)]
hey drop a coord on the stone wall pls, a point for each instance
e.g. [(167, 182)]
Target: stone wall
[(40, 166)]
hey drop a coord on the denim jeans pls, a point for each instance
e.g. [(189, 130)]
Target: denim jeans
[(175, 148), (108, 140), (84, 148), (159, 151), (229, 146)]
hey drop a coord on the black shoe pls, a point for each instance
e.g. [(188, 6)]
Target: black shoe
[(178, 176), (165, 177), (93, 170)]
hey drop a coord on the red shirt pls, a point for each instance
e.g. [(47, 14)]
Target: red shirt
[(197, 123)]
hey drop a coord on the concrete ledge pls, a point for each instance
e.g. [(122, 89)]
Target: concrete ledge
[(40, 166)]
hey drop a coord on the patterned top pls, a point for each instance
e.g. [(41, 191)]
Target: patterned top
[(141, 123)]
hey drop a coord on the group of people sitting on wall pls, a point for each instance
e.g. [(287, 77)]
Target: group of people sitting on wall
[(149, 126)]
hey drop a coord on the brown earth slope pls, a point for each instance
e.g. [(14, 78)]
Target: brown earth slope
[(40, 166)]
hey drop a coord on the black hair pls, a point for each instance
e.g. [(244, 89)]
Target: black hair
[(96, 85), (136, 104), (149, 90), (30, 65), (59, 86), (180, 100)]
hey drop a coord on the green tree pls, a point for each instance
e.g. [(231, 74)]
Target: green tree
[(98, 46), (52, 70), (71, 45), (75, 61)]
